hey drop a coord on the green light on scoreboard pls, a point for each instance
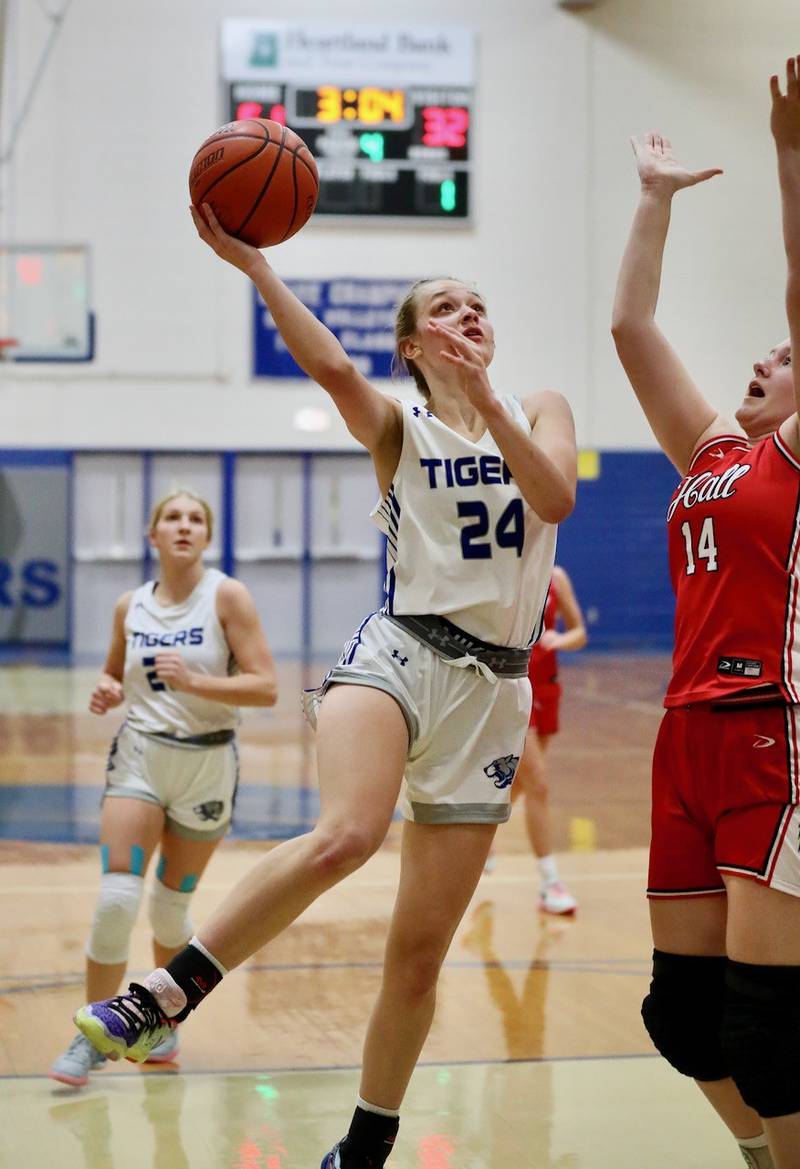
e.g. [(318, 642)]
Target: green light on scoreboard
[(447, 195), (372, 146)]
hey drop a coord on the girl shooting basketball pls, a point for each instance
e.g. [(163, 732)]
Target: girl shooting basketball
[(434, 687)]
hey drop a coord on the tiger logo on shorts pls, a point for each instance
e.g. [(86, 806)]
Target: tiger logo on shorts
[(502, 770), (211, 810)]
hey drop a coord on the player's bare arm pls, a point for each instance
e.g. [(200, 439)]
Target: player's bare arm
[(107, 692), (573, 636), (255, 684), (785, 126), (544, 464), (373, 419), (678, 414)]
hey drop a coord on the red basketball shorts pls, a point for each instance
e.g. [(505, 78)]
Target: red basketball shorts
[(726, 788), (544, 711)]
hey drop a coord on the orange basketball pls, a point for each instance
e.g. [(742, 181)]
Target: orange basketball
[(260, 179)]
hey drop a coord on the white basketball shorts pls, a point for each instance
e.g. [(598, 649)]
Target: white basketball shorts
[(466, 733), (195, 786)]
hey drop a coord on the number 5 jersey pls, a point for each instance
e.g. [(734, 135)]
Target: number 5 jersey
[(192, 629), (734, 535), (462, 542)]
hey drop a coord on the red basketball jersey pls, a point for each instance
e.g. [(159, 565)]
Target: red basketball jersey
[(734, 534), (543, 664)]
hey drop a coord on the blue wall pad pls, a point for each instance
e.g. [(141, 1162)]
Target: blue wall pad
[(614, 546), (63, 814)]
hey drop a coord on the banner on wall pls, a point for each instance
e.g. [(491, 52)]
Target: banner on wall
[(34, 557), (301, 51), (360, 312)]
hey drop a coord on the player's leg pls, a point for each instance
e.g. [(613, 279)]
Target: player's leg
[(683, 1011), (532, 784), (181, 865), (761, 1029), (199, 799), (362, 742), (440, 868), (129, 831)]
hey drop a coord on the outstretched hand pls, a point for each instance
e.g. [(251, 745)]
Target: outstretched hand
[(659, 170), (243, 256), (785, 117)]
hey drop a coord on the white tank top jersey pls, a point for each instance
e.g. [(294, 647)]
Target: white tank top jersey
[(193, 629), (461, 541)]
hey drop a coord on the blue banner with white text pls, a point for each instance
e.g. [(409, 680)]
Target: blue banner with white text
[(360, 312)]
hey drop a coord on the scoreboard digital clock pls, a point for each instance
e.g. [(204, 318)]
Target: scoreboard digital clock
[(382, 151)]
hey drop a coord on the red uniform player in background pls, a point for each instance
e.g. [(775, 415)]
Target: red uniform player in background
[(531, 781)]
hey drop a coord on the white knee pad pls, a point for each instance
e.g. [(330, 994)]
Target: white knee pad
[(114, 917), (169, 916)]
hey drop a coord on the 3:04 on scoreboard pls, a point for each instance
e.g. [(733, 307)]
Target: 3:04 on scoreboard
[(382, 152)]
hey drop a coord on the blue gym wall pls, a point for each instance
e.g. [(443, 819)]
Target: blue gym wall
[(311, 590)]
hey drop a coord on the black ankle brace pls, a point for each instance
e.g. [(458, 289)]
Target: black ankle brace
[(195, 975), (369, 1140)]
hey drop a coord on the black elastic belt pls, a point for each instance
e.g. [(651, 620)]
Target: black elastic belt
[(450, 642), (212, 739)]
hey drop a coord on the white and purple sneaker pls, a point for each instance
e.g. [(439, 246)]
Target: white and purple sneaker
[(127, 1026)]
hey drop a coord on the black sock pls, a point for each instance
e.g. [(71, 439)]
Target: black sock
[(195, 975), (369, 1140)]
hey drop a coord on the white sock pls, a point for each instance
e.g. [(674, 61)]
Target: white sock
[(548, 869), (166, 992), (756, 1152), (374, 1108)]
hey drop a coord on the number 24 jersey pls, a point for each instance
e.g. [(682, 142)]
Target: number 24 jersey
[(461, 540), (734, 535)]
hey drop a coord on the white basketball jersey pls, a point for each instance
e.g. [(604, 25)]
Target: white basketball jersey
[(193, 629), (461, 541)]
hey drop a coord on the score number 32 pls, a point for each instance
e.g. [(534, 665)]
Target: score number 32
[(706, 546)]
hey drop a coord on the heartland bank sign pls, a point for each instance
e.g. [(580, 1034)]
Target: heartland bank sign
[(260, 50)]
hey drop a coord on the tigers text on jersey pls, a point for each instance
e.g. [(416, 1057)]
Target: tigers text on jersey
[(734, 534), (193, 629), (462, 543)]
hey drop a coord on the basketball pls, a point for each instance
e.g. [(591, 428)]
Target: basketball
[(260, 179)]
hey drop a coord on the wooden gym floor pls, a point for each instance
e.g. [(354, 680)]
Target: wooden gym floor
[(537, 1056)]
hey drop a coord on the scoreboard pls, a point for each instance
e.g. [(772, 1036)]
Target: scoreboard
[(382, 152), (387, 113)]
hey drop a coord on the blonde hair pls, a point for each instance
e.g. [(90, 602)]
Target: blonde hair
[(405, 325), (155, 514)]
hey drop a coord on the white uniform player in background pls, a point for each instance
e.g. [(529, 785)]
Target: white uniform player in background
[(186, 651), (433, 688)]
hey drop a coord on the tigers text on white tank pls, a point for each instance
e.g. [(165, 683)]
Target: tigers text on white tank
[(461, 541), (192, 629)]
